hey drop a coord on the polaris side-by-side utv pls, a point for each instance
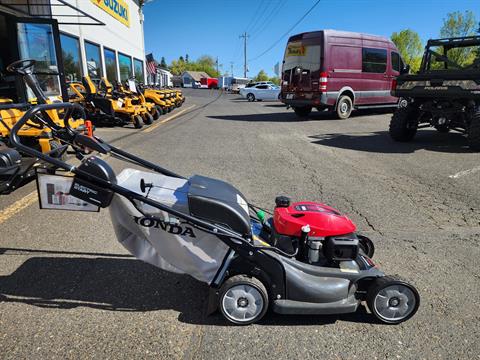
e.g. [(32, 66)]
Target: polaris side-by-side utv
[(445, 94), (305, 259)]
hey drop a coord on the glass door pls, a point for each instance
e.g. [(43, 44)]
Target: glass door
[(38, 39)]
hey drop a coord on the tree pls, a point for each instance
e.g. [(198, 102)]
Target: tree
[(410, 47), (186, 58), (163, 63), (275, 80), (261, 76), (458, 24)]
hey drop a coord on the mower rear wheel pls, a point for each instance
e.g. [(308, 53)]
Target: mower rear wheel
[(474, 132), (147, 119), (137, 122), (392, 301), (243, 300)]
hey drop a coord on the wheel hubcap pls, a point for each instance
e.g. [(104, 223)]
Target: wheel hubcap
[(242, 303), (344, 108), (395, 302)]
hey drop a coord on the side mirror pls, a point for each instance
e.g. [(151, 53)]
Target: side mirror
[(405, 70)]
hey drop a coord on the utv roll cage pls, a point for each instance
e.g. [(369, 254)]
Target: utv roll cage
[(447, 44)]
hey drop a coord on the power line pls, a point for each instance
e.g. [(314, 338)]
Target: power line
[(260, 18), (270, 18), (286, 33)]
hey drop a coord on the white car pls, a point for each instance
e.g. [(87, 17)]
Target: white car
[(261, 92)]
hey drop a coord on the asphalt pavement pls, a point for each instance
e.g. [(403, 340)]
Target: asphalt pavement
[(68, 289)]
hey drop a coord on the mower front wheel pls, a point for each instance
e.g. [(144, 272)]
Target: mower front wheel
[(243, 300), (147, 119), (137, 122), (392, 301)]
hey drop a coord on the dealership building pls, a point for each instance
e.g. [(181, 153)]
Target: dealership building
[(70, 39)]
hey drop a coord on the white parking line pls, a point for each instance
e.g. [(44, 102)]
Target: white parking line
[(465, 172)]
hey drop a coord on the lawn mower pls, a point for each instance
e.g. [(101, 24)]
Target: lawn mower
[(15, 169), (305, 259), (105, 98), (153, 112)]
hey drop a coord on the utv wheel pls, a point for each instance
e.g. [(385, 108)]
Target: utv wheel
[(474, 132), (243, 300), (303, 111), (392, 301), (138, 122), (147, 119), (442, 129), (250, 97), (403, 125), (402, 103), (344, 107)]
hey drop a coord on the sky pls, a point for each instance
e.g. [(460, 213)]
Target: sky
[(175, 28)]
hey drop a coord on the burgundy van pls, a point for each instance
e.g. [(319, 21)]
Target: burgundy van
[(339, 71)]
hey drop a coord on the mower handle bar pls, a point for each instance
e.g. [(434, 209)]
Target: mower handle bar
[(30, 113)]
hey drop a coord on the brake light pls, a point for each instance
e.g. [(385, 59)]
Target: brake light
[(394, 84), (322, 85)]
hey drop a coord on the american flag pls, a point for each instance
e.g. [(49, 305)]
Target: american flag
[(151, 64)]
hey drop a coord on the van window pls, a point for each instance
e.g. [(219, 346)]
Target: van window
[(395, 59), (345, 58), (304, 57), (374, 60)]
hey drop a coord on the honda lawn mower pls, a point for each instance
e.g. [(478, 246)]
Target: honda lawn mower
[(305, 259)]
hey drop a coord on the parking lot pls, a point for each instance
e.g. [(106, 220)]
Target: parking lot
[(68, 289)]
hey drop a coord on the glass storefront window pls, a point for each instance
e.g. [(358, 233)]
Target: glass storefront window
[(35, 41), (110, 64), (125, 63), (138, 67), (71, 58), (94, 62)]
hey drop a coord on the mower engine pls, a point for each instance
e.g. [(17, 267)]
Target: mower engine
[(316, 233)]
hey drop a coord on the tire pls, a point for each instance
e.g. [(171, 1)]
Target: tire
[(366, 245), (147, 119), (392, 301), (303, 111), (54, 145), (157, 112), (243, 300), (473, 132), (344, 107), (137, 122), (403, 125), (250, 97), (442, 129), (402, 102)]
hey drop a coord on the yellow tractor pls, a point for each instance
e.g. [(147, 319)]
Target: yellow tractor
[(15, 169), (121, 106)]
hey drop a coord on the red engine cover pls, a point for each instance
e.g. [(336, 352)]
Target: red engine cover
[(323, 220)]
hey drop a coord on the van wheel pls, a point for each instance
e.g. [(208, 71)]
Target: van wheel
[(303, 111), (250, 97), (344, 107), (137, 122)]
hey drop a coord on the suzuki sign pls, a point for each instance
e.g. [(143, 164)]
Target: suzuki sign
[(116, 8)]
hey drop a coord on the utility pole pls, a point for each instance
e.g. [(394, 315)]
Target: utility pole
[(245, 36), (231, 68), (217, 66)]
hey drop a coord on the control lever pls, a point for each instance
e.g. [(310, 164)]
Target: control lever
[(144, 186)]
